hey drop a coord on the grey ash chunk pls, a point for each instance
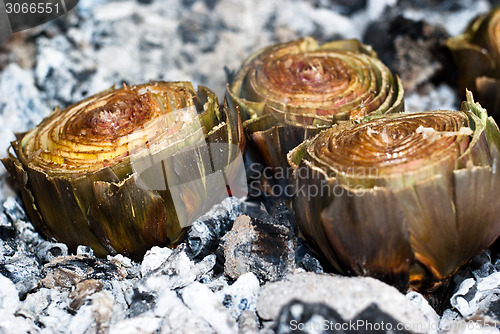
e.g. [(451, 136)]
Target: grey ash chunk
[(46, 251), (204, 235), (265, 249), (477, 297), (24, 272), (67, 271), (142, 301), (82, 292)]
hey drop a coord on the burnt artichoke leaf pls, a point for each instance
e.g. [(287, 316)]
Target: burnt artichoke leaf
[(478, 222), (431, 219), (296, 156), (310, 214), (487, 91), (398, 104), (249, 109), (233, 120), (15, 168), (301, 119), (471, 60), (474, 24), (62, 209), (478, 150), (381, 248), (274, 136), (482, 32), (275, 142), (136, 225), (211, 115)]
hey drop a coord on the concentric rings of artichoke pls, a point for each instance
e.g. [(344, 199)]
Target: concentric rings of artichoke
[(290, 92), (427, 205), (110, 171)]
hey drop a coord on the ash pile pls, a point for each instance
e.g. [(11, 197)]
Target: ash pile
[(242, 267)]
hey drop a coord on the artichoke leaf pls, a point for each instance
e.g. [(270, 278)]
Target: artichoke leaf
[(380, 248)]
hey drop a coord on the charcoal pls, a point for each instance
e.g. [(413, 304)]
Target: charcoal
[(24, 272), (46, 251), (255, 246), (67, 271), (204, 235)]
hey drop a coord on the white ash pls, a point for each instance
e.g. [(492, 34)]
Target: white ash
[(441, 98), (154, 258), (456, 22), (22, 105), (477, 298), (430, 315)]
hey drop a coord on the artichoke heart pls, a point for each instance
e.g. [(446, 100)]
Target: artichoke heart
[(290, 92), (128, 168), (407, 198)]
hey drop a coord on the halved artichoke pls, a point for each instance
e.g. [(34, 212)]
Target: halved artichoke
[(290, 92), (128, 168), (477, 55), (407, 198)]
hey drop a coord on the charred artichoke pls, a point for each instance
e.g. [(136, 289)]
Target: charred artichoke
[(290, 92), (407, 198), (477, 55), (128, 168)]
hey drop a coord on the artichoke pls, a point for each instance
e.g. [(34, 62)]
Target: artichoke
[(290, 92), (477, 55), (129, 168), (407, 198)]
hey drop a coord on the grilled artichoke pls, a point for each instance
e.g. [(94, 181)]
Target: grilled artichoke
[(407, 198), (290, 92), (128, 168), (477, 55)]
